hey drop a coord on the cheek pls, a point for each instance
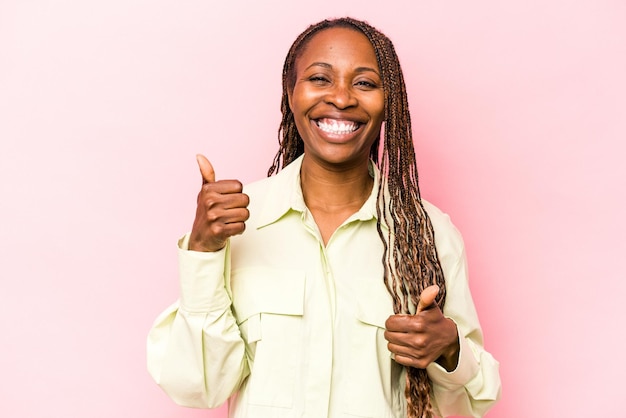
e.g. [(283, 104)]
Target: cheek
[(374, 102), (377, 108), (302, 100), (299, 104)]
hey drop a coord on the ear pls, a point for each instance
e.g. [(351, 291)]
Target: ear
[(289, 96)]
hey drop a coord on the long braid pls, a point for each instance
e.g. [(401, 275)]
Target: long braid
[(410, 258)]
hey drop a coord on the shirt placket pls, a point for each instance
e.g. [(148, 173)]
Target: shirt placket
[(321, 310)]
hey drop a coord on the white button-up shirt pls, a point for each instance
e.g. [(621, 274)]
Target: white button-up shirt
[(282, 325)]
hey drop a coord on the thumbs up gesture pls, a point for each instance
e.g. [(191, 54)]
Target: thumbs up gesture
[(418, 340), (221, 212)]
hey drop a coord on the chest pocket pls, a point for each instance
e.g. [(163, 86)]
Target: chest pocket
[(268, 305)]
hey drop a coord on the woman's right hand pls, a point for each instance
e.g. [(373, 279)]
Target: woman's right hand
[(221, 213)]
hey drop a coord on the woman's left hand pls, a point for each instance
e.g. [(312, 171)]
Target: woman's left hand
[(418, 340)]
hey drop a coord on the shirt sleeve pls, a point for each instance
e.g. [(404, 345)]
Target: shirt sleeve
[(474, 386), (195, 351)]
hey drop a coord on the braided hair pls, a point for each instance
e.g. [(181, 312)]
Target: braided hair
[(410, 258)]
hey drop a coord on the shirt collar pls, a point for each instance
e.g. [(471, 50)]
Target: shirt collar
[(285, 194)]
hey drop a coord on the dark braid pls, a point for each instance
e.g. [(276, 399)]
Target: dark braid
[(410, 258)]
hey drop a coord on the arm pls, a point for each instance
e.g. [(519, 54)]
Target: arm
[(465, 379), (449, 344), (195, 351), (474, 385)]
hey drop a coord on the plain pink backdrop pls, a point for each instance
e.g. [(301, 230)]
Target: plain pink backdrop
[(519, 112)]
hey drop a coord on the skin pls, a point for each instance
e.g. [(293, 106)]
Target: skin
[(337, 79), (221, 212), (418, 340)]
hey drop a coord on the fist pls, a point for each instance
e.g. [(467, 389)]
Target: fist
[(418, 340), (221, 212)]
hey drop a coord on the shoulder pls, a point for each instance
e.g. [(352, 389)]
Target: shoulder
[(448, 239), (259, 186), (272, 197), (262, 197), (286, 179)]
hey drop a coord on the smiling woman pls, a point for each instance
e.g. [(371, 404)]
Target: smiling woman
[(286, 308), (338, 102), (338, 99)]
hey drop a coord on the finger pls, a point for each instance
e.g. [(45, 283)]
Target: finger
[(395, 337), (234, 215), (227, 187), (234, 228), (427, 298), (409, 356), (404, 351), (206, 169), (409, 361)]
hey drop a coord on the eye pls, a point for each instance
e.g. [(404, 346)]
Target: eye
[(319, 79), (366, 84)]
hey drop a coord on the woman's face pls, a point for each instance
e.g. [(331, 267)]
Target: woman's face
[(338, 98)]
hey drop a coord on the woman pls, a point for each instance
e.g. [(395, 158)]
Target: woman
[(332, 302)]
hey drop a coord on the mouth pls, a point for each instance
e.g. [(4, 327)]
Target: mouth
[(337, 126)]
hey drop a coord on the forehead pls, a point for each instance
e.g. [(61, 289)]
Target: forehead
[(340, 44)]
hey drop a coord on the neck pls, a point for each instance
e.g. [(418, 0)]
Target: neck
[(335, 188)]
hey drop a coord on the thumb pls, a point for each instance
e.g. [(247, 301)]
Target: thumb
[(206, 169), (427, 298)]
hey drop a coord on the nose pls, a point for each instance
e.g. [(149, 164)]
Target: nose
[(341, 96)]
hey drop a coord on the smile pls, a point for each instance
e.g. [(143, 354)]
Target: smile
[(340, 127)]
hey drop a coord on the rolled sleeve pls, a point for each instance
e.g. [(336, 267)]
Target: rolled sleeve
[(202, 280), (466, 369)]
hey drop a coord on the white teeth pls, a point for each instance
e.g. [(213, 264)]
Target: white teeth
[(337, 127)]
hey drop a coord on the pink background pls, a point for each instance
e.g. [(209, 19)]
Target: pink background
[(519, 112)]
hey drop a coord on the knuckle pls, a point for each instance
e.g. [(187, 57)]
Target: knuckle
[(421, 364), (212, 217), (206, 189), (419, 343), (418, 326), (217, 229), (388, 323), (210, 201), (231, 186)]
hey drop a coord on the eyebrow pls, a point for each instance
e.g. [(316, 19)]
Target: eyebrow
[(358, 69)]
